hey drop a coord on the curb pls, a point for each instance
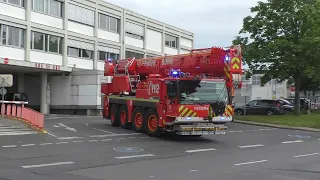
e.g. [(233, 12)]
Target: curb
[(277, 126), (27, 124)]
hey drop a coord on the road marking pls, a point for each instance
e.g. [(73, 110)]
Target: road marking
[(45, 165), (133, 137), (93, 141), (239, 131), (250, 146), (200, 150), (77, 141), (106, 140), (306, 155), (232, 131), (110, 135), (193, 170), (25, 145), (252, 162), (289, 142), (62, 143), (9, 146), (120, 139), (87, 124), (53, 135), (43, 144), (265, 129), (67, 138), (144, 137), (135, 156), (103, 130), (253, 130)]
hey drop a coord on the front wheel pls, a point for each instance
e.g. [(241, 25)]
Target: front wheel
[(114, 115), (151, 123)]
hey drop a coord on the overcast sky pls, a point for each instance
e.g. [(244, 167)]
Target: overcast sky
[(214, 22)]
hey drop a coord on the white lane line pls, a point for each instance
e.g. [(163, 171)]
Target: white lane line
[(252, 162), (303, 155), (289, 142), (111, 135), (135, 156), (250, 146), (9, 146), (103, 130), (200, 150), (53, 135), (232, 131), (25, 145), (45, 165), (193, 170), (62, 143), (133, 137), (239, 131), (67, 138), (106, 140), (120, 139), (43, 144), (77, 141), (252, 130), (93, 141)]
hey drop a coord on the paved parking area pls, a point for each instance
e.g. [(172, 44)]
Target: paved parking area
[(83, 147)]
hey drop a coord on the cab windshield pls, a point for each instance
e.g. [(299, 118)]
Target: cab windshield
[(202, 91)]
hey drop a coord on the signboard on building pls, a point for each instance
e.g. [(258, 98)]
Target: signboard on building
[(245, 89)]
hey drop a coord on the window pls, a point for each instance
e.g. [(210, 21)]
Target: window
[(171, 41), (134, 30), (130, 54), (15, 2), (106, 55), (11, 36), (150, 56), (51, 7), (252, 103), (109, 23), (256, 80), (46, 42), (77, 52), (81, 15)]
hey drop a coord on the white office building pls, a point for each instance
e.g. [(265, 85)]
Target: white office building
[(56, 48)]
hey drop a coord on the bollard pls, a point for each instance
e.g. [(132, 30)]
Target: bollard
[(3, 109), (8, 110), (19, 112), (41, 120), (14, 111)]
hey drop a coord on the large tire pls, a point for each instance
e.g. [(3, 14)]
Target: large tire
[(123, 112), (151, 123), (114, 115), (138, 119)]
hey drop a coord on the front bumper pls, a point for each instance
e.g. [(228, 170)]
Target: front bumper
[(199, 129), (219, 119)]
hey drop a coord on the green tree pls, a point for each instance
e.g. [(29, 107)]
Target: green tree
[(283, 37)]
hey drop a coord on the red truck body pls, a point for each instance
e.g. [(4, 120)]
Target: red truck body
[(173, 93)]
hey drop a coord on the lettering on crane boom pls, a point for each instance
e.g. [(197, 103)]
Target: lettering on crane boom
[(148, 63), (153, 88), (167, 61)]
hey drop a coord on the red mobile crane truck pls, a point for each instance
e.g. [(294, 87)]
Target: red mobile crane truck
[(173, 93)]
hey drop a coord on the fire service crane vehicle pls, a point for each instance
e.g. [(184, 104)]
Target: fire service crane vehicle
[(177, 94)]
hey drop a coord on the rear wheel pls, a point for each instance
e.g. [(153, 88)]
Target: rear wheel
[(137, 119), (151, 123), (114, 116), (124, 117)]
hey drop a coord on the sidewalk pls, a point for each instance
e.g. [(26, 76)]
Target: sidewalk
[(9, 127)]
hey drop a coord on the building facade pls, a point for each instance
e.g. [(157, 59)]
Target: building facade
[(271, 90), (60, 47)]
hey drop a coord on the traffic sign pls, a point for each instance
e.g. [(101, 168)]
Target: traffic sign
[(245, 89), (6, 80)]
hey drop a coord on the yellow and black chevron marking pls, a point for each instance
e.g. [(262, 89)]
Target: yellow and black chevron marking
[(229, 110), (235, 63), (211, 112), (227, 70), (186, 112)]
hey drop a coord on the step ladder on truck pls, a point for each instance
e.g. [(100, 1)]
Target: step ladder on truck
[(186, 94)]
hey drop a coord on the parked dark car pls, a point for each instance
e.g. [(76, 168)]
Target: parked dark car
[(287, 105), (304, 103), (261, 107)]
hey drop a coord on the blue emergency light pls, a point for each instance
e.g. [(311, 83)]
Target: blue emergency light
[(227, 57), (175, 73)]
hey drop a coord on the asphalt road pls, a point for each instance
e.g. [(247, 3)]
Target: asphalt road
[(88, 148)]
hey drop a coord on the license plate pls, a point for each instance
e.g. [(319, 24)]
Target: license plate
[(204, 124)]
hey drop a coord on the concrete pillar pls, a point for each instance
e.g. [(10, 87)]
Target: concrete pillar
[(21, 83), (27, 43), (65, 27), (44, 104)]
